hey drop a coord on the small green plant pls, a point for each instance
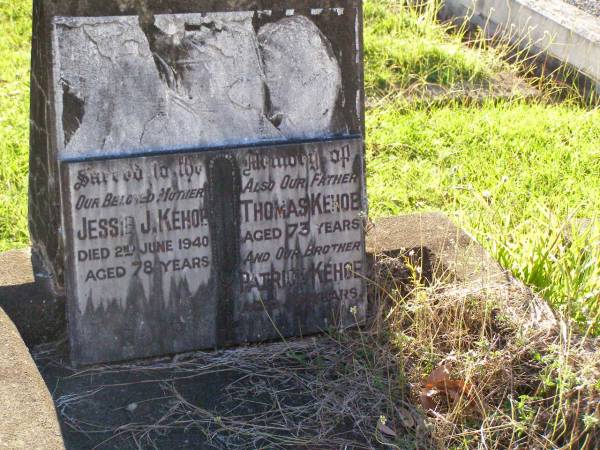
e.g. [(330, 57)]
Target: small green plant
[(525, 414), (591, 422)]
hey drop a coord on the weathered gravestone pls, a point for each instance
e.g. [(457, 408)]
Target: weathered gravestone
[(197, 174)]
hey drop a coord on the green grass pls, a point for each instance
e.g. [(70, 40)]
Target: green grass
[(15, 29), (511, 172), (514, 173), (403, 48)]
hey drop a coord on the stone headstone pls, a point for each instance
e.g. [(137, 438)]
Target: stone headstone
[(197, 173)]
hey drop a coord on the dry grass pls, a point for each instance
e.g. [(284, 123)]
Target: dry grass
[(532, 384)]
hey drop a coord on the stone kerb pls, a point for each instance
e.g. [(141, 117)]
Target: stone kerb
[(27, 416), (554, 28)]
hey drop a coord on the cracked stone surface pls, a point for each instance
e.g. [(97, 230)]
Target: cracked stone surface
[(191, 80), (302, 74), (209, 90)]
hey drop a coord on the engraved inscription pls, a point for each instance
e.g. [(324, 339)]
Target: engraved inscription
[(177, 252)]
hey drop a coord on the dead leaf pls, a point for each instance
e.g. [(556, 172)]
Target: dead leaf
[(427, 399), (439, 375), (406, 417), (385, 429), (439, 383)]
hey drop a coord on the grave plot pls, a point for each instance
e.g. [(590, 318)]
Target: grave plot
[(443, 351)]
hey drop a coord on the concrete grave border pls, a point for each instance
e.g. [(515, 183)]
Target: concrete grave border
[(562, 32), (27, 416)]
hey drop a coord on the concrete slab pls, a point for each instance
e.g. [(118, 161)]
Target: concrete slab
[(449, 250), (27, 416), (561, 32)]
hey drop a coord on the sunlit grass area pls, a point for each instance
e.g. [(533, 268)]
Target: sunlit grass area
[(15, 30), (517, 173), (405, 48)]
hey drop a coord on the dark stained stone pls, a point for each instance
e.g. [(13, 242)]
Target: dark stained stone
[(174, 252)]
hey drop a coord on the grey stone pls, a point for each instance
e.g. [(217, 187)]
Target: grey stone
[(302, 75), (191, 80), (120, 89), (115, 78), (589, 6), (195, 80), (449, 252)]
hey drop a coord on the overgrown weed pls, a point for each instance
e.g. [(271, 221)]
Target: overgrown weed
[(407, 52), (533, 381), (556, 254)]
